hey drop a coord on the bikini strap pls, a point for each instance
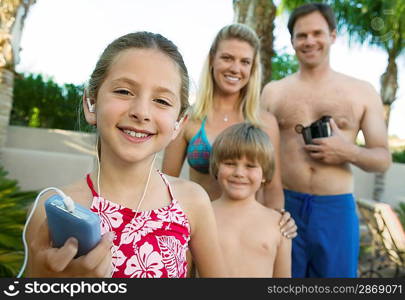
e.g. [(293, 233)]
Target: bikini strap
[(203, 123), (167, 184), (91, 186)]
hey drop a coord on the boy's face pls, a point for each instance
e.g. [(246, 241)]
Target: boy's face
[(240, 178)]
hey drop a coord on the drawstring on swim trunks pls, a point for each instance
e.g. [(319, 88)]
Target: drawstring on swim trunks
[(306, 208)]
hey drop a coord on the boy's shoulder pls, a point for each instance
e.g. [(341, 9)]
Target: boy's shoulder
[(269, 218)]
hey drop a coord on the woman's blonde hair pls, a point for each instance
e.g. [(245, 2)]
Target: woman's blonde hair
[(243, 140), (250, 94)]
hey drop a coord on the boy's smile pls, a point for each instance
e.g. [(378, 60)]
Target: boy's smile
[(239, 178)]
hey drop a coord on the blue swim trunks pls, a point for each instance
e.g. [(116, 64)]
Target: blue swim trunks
[(328, 239)]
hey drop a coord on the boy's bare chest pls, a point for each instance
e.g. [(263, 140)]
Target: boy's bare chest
[(256, 240), (304, 106)]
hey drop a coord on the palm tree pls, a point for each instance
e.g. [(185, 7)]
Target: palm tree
[(259, 15), (379, 23), (12, 17)]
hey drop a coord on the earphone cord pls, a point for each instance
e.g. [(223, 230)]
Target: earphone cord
[(98, 168), (137, 209)]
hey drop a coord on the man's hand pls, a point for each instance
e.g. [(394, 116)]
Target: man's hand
[(334, 150)]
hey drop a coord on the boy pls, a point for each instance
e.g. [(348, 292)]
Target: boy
[(251, 242)]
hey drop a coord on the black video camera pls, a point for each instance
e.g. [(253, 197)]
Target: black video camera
[(318, 129)]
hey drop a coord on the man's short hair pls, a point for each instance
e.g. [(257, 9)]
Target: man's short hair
[(324, 9), (243, 140)]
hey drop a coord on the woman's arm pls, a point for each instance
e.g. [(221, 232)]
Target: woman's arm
[(273, 196), (282, 263)]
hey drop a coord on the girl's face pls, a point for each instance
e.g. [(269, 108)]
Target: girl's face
[(239, 178), (232, 65), (138, 104)]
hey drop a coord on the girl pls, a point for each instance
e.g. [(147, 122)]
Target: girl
[(136, 97)]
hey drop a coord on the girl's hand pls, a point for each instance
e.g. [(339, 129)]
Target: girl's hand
[(287, 225), (46, 261)]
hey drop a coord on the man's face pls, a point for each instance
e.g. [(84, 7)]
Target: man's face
[(312, 39)]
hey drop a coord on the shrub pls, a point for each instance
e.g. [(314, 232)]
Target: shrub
[(399, 156), (13, 210)]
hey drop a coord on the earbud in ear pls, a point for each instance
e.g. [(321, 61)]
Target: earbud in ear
[(92, 107), (176, 125)]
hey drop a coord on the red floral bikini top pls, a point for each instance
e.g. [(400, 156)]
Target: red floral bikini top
[(150, 244)]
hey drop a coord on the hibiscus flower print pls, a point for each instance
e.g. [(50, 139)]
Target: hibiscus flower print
[(109, 214), (173, 255), (145, 263), (138, 228), (173, 213), (118, 256)]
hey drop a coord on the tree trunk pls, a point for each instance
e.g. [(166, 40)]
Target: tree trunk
[(259, 15), (12, 17), (6, 100), (389, 87)]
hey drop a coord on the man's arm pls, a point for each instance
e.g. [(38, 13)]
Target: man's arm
[(375, 157)]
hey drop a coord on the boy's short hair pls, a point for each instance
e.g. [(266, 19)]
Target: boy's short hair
[(243, 140)]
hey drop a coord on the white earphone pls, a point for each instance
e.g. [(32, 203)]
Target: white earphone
[(92, 107), (177, 123)]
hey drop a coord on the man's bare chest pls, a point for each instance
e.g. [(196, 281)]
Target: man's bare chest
[(304, 107)]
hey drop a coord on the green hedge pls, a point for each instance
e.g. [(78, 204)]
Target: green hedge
[(399, 156)]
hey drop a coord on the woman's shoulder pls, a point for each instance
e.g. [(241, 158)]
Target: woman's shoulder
[(191, 128)]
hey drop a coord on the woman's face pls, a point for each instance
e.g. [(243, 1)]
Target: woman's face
[(232, 66)]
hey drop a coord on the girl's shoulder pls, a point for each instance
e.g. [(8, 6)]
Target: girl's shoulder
[(78, 191), (191, 196), (186, 190)]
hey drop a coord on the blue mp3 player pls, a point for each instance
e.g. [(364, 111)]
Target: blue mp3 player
[(82, 223)]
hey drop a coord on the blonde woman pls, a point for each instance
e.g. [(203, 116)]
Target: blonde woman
[(229, 93)]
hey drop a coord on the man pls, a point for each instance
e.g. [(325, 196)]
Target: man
[(317, 179)]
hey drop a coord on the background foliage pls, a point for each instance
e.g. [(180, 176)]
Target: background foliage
[(13, 210), (40, 102), (399, 156), (283, 64)]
